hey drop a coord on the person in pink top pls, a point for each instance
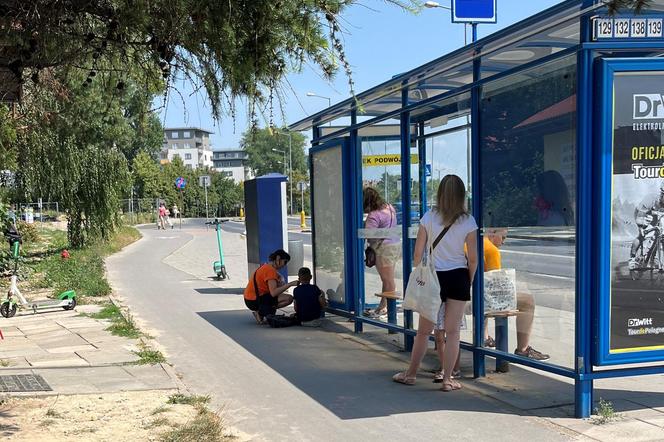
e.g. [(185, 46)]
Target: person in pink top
[(162, 216), (382, 215)]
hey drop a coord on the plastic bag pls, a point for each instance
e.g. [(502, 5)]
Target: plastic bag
[(499, 290)]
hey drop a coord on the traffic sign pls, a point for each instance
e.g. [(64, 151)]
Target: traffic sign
[(427, 170), (204, 180), (474, 11), (302, 186), (180, 182)]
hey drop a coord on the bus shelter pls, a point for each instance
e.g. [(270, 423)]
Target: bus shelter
[(555, 124)]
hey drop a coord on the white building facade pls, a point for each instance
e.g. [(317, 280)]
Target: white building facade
[(191, 144), (232, 163)]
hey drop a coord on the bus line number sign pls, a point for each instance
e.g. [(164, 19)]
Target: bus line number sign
[(622, 28)]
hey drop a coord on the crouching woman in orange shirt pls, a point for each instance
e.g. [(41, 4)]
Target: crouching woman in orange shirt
[(264, 293)]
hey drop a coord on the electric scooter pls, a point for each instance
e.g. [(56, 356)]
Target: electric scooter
[(218, 266), (66, 300)]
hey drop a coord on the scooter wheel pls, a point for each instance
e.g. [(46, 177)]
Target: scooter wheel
[(7, 310), (223, 275), (71, 305)]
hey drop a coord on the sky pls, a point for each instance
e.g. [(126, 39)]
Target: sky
[(380, 41)]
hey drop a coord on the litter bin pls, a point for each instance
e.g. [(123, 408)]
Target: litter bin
[(296, 252)]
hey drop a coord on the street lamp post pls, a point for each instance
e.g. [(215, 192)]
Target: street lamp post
[(329, 100), (284, 163), (433, 5)]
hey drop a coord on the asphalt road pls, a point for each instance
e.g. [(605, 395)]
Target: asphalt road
[(289, 384)]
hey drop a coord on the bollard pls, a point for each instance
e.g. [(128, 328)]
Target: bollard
[(303, 223), (241, 212)]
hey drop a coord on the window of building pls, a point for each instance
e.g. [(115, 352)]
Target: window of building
[(186, 134), (187, 156), (189, 166), (176, 155), (186, 146), (227, 173), (174, 134), (174, 146), (226, 164)]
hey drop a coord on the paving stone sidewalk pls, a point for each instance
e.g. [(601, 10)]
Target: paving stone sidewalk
[(76, 354)]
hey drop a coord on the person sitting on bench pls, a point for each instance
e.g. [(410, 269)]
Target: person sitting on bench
[(525, 303)]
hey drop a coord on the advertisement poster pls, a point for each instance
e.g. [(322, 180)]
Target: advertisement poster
[(637, 244)]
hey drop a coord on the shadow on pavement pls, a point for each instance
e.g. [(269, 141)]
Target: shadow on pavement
[(349, 379), (7, 429), (221, 291)]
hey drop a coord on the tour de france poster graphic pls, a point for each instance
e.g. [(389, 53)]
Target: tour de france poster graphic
[(637, 241)]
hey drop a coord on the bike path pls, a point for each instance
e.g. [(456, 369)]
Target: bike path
[(295, 383)]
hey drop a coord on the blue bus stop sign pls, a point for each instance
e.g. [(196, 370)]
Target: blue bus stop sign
[(180, 182), (427, 170), (474, 11)]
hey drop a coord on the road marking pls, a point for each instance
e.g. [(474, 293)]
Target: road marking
[(552, 276), (536, 254)]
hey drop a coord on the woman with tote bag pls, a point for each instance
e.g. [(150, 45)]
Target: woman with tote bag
[(447, 229)]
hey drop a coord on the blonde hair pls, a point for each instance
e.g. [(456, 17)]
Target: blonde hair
[(451, 198)]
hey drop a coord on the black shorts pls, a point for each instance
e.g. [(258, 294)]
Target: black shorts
[(265, 304), (454, 284)]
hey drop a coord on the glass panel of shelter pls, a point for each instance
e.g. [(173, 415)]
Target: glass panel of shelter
[(444, 134), (328, 220), (382, 220), (528, 179)]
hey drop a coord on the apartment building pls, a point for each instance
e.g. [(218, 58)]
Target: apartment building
[(232, 163), (191, 144)]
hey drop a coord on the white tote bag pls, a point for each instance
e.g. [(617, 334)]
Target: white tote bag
[(499, 290), (423, 289)]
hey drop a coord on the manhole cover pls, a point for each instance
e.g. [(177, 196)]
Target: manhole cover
[(23, 382)]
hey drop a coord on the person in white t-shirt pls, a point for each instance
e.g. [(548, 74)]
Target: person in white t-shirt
[(455, 270)]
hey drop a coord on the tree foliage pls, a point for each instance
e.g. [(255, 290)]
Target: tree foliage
[(74, 145), (239, 48), (158, 182), (266, 148)]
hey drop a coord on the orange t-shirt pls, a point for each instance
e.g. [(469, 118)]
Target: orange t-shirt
[(263, 274)]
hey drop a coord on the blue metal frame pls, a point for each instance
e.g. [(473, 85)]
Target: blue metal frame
[(349, 261), (537, 19), (594, 178), (406, 243), (452, 93), (583, 389), (607, 69)]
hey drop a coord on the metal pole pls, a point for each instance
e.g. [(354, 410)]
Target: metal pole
[(474, 32), (206, 201), (290, 164)]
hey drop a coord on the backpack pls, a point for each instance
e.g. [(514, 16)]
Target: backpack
[(281, 321)]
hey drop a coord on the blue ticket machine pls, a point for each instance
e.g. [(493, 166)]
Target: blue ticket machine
[(265, 219)]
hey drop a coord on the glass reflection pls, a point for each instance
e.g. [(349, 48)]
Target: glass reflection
[(528, 176), (329, 224)]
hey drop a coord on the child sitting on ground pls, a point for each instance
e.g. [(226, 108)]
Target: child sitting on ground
[(308, 299)]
